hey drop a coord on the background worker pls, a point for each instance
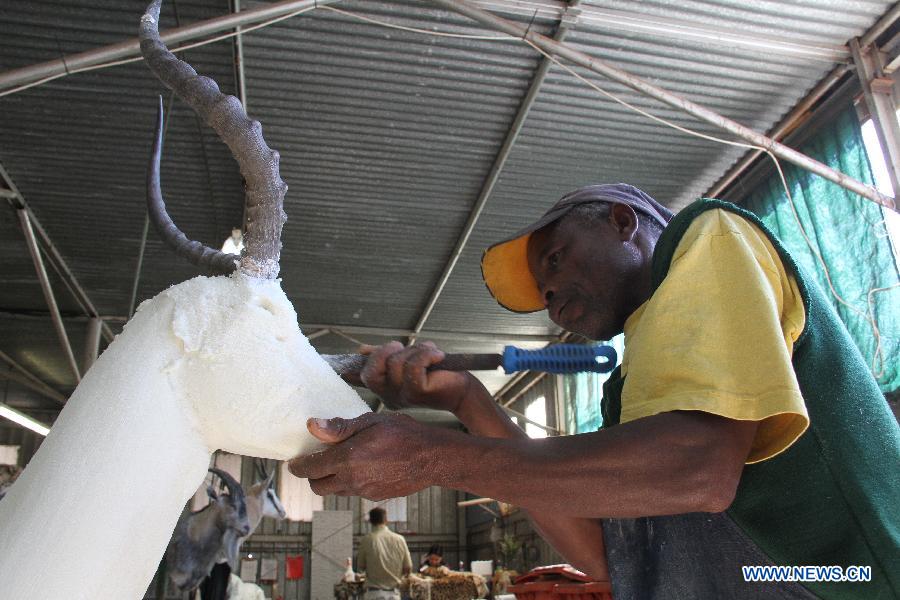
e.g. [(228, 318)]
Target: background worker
[(433, 565), (742, 428), (384, 557)]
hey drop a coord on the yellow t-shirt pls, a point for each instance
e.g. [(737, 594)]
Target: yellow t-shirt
[(718, 334)]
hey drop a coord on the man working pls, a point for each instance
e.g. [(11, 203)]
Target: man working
[(384, 557), (741, 429)]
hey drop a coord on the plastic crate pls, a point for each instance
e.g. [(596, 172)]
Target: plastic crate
[(595, 590), (559, 582)]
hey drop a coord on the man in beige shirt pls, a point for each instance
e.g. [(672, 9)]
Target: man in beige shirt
[(384, 557)]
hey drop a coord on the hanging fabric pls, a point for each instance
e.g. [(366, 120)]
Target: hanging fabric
[(849, 234)]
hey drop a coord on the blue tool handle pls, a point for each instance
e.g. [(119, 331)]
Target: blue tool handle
[(560, 358)]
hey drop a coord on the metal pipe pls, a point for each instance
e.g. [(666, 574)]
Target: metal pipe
[(139, 266), (239, 59), (464, 336), (349, 338), (130, 48), (596, 17), (31, 242), (22, 375), (880, 26), (877, 91), (785, 126), (474, 501), (513, 381), (318, 334), (584, 60), (493, 176), (516, 413), (525, 388), (91, 344), (20, 379), (56, 259)]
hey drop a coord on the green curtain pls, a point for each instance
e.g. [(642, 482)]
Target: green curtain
[(583, 392), (849, 233)]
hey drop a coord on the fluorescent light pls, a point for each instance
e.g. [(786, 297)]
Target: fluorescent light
[(23, 419)]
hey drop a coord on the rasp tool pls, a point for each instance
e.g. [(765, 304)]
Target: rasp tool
[(559, 358)]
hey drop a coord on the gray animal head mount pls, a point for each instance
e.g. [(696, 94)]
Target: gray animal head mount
[(270, 503), (200, 538), (265, 190), (235, 504)]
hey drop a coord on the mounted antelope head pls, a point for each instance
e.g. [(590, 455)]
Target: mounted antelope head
[(262, 501), (211, 363), (200, 537)]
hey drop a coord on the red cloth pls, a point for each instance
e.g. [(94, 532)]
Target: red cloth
[(294, 567)]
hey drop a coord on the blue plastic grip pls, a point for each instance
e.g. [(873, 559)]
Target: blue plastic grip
[(560, 358)]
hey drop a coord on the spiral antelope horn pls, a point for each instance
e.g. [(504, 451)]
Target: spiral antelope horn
[(265, 190), (234, 488)]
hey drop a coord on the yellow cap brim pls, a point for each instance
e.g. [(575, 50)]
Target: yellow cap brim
[(504, 267)]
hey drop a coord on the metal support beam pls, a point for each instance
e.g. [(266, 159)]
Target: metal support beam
[(56, 260), (599, 18), (131, 48), (239, 79), (494, 175), (22, 380), (537, 378), (559, 406), (513, 381), (783, 128), (562, 50), (349, 338), (878, 92), (460, 336), (31, 241), (22, 375), (516, 413), (881, 25), (799, 112), (318, 334), (91, 344)]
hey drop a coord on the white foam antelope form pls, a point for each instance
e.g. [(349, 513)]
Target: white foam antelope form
[(211, 363)]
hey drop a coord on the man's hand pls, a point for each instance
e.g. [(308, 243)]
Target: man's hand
[(375, 456), (399, 376)]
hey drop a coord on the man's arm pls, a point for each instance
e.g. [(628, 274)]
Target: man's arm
[(671, 463), (399, 375), (407, 560), (579, 540)]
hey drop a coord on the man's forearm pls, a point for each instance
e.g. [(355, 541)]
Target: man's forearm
[(672, 463), (483, 416), (579, 540)]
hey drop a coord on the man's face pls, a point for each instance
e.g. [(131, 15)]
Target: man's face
[(586, 273)]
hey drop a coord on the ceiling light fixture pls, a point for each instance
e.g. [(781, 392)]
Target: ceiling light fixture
[(23, 419)]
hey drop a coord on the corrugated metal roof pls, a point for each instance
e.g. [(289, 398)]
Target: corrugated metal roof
[(386, 139)]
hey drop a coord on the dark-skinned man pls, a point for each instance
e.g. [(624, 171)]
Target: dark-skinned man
[(741, 429)]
